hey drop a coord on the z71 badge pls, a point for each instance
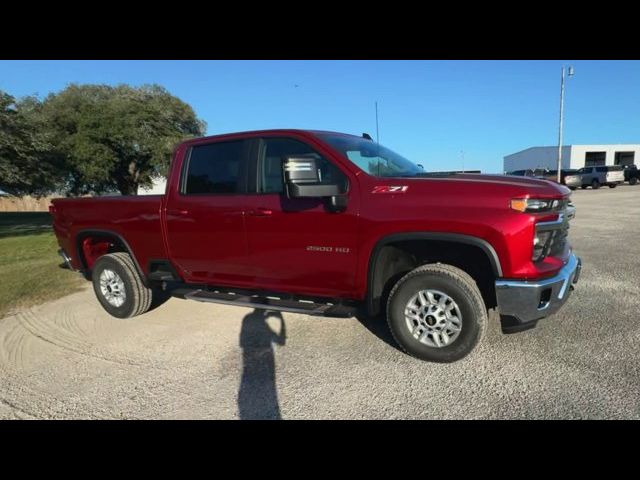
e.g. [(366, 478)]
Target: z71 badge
[(390, 189)]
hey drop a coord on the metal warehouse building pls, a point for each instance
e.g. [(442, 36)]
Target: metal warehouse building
[(573, 156)]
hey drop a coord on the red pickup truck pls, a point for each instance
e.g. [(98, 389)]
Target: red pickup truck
[(335, 225)]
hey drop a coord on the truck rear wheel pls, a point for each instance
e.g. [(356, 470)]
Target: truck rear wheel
[(633, 181), (436, 313), (118, 286)]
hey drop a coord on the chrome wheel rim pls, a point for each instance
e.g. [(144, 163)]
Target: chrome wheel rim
[(433, 318), (112, 288)]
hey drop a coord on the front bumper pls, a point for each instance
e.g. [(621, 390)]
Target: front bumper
[(522, 303)]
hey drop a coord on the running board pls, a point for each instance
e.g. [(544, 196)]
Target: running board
[(307, 307)]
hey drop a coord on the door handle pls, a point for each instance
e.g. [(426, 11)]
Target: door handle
[(176, 211), (260, 212)]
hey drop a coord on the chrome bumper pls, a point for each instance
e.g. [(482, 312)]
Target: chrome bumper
[(526, 302)]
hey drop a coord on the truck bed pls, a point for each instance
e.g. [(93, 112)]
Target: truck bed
[(134, 219)]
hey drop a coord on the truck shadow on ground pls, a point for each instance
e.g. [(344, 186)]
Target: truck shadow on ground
[(379, 327), (258, 395)]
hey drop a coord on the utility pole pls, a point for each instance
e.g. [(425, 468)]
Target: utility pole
[(377, 131), (570, 73)]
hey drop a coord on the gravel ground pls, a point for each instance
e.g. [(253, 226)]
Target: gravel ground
[(69, 359)]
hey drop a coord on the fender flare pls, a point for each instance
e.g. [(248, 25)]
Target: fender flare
[(82, 234), (485, 246)]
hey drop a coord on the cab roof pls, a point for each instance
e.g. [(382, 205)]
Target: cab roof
[(277, 131)]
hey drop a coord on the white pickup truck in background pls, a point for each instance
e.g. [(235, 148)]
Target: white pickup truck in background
[(594, 177)]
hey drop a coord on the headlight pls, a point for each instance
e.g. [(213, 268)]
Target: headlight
[(532, 205)]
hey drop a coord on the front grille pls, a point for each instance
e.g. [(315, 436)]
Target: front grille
[(557, 242), (555, 235), (562, 205)]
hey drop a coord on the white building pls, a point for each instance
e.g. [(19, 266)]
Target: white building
[(573, 156)]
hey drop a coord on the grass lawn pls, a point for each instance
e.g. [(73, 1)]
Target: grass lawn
[(30, 270)]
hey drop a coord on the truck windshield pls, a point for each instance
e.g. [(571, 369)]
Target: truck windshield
[(371, 157)]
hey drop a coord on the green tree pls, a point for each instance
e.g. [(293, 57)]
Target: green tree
[(27, 165), (115, 138)]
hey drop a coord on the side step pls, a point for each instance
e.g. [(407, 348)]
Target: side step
[(307, 307)]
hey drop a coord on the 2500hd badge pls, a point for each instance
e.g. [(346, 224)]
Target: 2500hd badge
[(314, 248)]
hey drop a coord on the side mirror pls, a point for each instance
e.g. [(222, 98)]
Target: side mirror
[(302, 180), (300, 170)]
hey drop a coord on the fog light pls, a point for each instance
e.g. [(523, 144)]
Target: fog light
[(545, 298)]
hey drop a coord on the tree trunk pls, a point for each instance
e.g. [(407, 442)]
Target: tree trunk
[(127, 186)]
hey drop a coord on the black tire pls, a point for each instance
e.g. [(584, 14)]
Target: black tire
[(633, 181), (456, 284), (137, 297), (613, 185), (595, 184), (583, 187), (572, 188)]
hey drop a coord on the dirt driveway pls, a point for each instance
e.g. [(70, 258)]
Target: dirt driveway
[(69, 359)]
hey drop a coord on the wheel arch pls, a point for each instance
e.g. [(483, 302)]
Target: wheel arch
[(379, 272), (104, 237)]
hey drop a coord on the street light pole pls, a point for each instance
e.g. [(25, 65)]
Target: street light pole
[(561, 115)]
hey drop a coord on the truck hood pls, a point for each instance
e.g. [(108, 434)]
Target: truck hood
[(533, 186)]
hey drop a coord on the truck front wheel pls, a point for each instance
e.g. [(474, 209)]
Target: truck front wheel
[(436, 313), (118, 286)]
